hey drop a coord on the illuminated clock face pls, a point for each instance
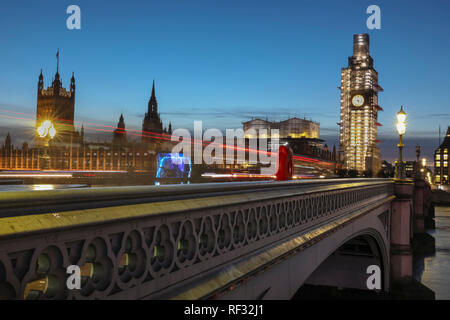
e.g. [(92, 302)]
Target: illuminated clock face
[(358, 100)]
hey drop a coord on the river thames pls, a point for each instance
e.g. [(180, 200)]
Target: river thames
[(434, 270)]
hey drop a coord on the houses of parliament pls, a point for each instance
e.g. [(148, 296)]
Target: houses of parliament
[(70, 150)]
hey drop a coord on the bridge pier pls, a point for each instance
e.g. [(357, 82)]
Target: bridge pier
[(401, 233), (408, 236), (419, 210), (422, 243), (428, 207)]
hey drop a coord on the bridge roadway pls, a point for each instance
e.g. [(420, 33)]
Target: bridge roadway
[(252, 240)]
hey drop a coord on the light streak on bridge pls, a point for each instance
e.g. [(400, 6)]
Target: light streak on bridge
[(167, 137)]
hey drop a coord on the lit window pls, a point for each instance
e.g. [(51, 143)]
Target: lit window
[(445, 156), (438, 157), (445, 164)]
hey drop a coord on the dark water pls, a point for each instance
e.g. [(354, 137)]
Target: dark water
[(434, 270)]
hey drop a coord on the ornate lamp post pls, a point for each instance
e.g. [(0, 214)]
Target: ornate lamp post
[(401, 129), (418, 174), (46, 131)]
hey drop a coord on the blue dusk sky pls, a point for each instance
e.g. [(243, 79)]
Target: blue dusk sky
[(224, 62)]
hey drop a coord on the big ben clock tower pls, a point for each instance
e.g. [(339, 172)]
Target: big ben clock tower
[(359, 110)]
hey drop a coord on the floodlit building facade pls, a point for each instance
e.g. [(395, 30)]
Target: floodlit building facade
[(359, 110), (290, 128), (441, 161)]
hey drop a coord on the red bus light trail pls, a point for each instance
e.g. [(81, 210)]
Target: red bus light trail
[(148, 134), (161, 136)]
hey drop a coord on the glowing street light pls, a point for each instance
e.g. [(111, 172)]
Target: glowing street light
[(401, 121), (417, 165), (429, 177), (401, 129), (423, 170), (47, 132)]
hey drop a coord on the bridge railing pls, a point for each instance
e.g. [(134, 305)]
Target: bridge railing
[(152, 242)]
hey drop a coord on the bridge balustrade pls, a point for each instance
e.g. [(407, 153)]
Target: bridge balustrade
[(158, 246)]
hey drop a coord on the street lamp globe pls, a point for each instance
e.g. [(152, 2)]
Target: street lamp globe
[(46, 130), (401, 122), (47, 124), (52, 132), (41, 131), (401, 128), (424, 162)]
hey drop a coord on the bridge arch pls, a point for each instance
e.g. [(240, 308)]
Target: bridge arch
[(347, 263)]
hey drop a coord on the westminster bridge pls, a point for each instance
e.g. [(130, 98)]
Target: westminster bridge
[(243, 240)]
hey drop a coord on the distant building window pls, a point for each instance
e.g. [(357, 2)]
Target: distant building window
[(438, 157), (445, 156), (438, 164), (445, 163)]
